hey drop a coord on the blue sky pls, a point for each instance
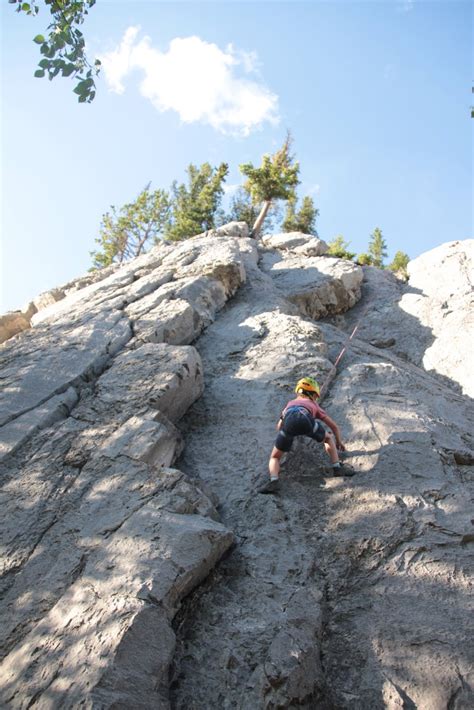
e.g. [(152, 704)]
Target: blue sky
[(376, 95)]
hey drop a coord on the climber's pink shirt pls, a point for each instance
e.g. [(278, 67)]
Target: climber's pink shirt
[(314, 409)]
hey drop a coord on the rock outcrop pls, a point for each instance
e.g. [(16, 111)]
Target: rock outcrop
[(319, 286), (427, 321), (297, 243), (442, 299), (137, 418)]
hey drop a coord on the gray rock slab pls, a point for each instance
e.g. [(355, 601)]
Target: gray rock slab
[(429, 318), (400, 520), (172, 321), (16, 432), (442, 299), (296, 242), (52, 359), (231, 229), (350, 593), (165, 377), (319, 286), (123, 592)]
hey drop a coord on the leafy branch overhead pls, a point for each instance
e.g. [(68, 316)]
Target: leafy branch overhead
[(63, 45)]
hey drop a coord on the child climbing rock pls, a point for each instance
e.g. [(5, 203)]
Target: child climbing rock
[(302, 417)]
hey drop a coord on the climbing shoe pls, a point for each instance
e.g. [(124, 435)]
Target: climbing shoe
[(271, 486), (343, 470)]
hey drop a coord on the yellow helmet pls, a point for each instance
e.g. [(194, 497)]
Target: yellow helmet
[(307, 385)]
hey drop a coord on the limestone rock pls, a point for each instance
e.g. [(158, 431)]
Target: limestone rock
[(138, 416), (296, 242), (441, 297), (11, 324), (129, 587), (429, 318), (384, 549), (166, 296), (319, 286), (231, 229)]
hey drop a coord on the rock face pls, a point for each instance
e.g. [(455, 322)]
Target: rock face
[(443, 300), (319, 286), (137, 418), (428, 321), (296, 242), (14, 322)]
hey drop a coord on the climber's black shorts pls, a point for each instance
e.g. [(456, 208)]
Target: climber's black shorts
[(298, 422)]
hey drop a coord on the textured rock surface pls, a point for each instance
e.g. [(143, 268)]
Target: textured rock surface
[(338, 593), (74, 339), (443, 301), (296, 242), (429, 320), (16, 321), (319, 286), (101, 539)]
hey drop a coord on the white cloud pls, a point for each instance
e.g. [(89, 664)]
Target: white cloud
[(199, 81)]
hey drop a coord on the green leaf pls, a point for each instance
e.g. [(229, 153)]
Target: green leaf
[(39, 73), (68, 69), (44, 63), (39, 39), (25, 7)]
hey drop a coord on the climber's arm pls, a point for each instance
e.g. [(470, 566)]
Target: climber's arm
[(332, 425)]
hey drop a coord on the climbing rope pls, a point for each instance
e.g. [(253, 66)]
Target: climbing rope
[(333, 371)]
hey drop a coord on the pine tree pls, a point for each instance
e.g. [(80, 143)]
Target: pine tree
[(275, 179), (339, 247), (129, 231), (364, 259), (377, 248), (303, 220), (400, 264), (194, 205), (244, 209)]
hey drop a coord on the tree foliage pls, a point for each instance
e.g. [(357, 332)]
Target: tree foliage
[(129, 231), (243, 209), (275, 179), (377, 248), (194, 205), (63, 45), (364, 259), (340, 247), (184, 212), (400, 264), (302, 220)]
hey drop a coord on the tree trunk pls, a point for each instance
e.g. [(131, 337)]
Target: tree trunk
[(260, 219)]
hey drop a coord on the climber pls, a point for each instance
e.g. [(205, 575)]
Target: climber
[(303, 417)]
